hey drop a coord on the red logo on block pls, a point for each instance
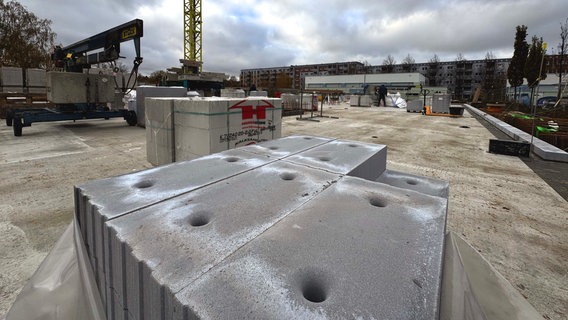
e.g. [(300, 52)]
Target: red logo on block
[(253, 116)]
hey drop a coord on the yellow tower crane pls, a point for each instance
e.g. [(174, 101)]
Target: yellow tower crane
[(192, 59)]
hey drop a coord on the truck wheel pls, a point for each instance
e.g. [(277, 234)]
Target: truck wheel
[(17, 125), (131, 118), (9, 117)]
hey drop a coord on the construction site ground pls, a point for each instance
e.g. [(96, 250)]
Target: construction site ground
[(501, 206)]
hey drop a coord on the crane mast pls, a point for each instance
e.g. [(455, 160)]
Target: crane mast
[(192, 21)]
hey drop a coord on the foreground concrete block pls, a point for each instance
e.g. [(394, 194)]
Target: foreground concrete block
[(181, 239), (359, 249), (358, 159), (420, 184), (102, 200)]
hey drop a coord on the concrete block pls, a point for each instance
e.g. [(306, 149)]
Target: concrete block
[(286, 146), (70, 87), (359, 249), (354, 100), (6, 89), (160, 143), (36, 78), (420, 184), (258, 94), (441, 103), (11, 77), (233, 93), (366, 101), (37, 90), (182, 238), (207, 126), (415, 105), (358, 159), (143, 92)]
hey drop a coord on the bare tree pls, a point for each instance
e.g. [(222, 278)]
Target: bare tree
[(389, 63), (408, 62), (433, 71), (25, 40), (460, 57), (562, 51)]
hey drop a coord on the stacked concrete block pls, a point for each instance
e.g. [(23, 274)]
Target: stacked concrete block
[(71, 87), (292, 228), (258, 94), (208, 126), (100, 201), (421, 184), (366, 101), (143, 92), (357, 250), (358, 159), (11, 79), (160, 145), (354, 100), (441, 103), (36, 81), (415, 106), (232, 93)]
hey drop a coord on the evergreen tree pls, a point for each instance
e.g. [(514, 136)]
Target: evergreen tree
[(533, 72), (515, 73)]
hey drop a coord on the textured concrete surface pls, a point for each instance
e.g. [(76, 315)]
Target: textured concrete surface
[(359, 249), (151, 249), (181, 239), (424, 185), (352, 158)]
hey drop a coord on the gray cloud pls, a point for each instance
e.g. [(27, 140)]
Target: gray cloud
[(260, 33)]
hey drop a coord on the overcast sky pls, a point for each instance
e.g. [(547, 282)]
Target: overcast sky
[(241, 34)]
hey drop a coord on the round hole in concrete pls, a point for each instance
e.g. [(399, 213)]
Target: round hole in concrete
[(288, 176), (375, 201), (307, 138), (199, 218), (412, 182), (464, 127), (144, 184), (352, 145), (273, 148), (324, 158), (313, 290), (232, 159)]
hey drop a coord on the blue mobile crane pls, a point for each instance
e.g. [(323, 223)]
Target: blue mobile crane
[(77, 95)]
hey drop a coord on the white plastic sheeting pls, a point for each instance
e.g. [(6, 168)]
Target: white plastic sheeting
[(394, 100), (63, 287)]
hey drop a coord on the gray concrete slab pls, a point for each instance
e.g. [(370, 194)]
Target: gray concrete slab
[(358, 159), (286, 146), (180, 239), (359, 249), (420, 184)]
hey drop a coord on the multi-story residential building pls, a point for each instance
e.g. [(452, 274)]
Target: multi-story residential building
[(462, 78)]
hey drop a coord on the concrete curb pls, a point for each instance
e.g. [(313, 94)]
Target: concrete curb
[(543, 149)]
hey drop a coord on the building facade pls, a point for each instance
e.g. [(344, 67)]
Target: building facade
[(461, 78)]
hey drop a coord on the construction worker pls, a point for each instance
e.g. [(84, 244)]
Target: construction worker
[(382, 95)]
